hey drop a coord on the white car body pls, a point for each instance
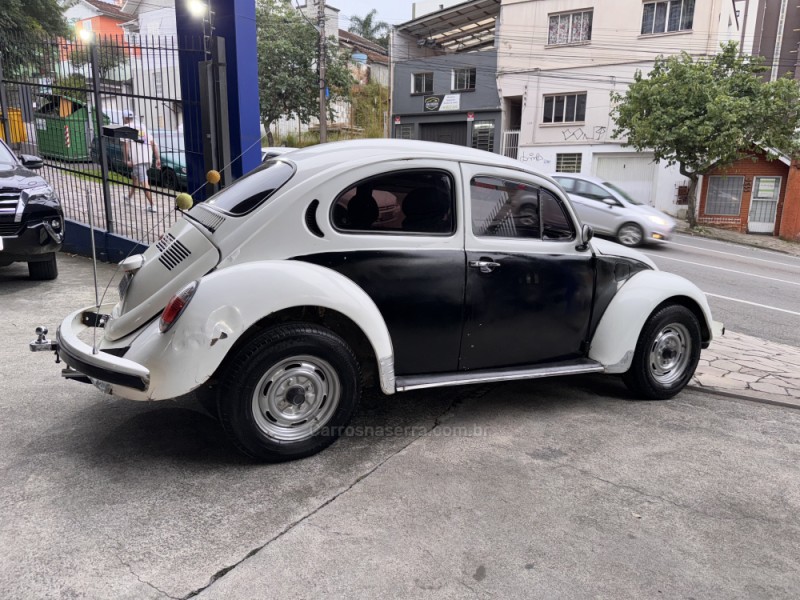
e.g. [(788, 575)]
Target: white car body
[(287, 258)]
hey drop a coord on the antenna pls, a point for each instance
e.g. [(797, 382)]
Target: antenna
[(94, 266)]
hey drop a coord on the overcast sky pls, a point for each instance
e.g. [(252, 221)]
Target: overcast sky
[(393, 12)]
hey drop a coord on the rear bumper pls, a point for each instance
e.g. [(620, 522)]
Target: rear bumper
[(96, 364)]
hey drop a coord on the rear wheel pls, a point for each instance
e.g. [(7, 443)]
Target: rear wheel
[(289, 392), (630, 234), (169, 179), (44, 270), (666, 354)]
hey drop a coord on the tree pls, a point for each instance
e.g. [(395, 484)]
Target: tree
[(287, 72), (21, 22), (706, 113), (367, 27)]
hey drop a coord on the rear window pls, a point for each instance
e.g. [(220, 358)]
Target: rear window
[(250, 192)]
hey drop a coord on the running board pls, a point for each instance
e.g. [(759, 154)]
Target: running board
[(567, 367)]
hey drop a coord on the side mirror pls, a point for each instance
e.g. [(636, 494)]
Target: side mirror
[(610, 202), (31, 162), (587, 233)]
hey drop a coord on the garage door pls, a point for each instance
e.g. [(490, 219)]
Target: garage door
[(448, 133), (634, 174)]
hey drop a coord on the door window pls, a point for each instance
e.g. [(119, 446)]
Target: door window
[(512, 209), (414, 201), (589, 190)]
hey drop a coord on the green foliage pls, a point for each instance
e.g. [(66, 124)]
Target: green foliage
[(707, 113), (367, 27), (704, 113), (287, 72), (22, 21), (110, 54), (369, 108), (73, 86)]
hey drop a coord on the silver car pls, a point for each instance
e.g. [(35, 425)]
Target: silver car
[(611, 211)]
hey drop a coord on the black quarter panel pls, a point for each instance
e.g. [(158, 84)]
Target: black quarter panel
[(420, 294), (611, 273)]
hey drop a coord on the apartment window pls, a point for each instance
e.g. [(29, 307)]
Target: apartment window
[(662, 17), (724, 195), (569, 163), (463, 80), (422, 83), (570, 28), (483, 135), (565, 108)]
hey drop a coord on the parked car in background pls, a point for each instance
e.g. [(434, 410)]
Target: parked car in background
[(613, 212), (31, 217), (392, 264)]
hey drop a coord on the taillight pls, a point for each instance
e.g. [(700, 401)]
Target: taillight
[(176, 306)]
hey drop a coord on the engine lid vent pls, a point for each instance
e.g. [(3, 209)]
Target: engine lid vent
[(173, 252), (208, 219)]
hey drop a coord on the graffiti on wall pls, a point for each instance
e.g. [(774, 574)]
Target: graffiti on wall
[(532, 157), (583, 134)]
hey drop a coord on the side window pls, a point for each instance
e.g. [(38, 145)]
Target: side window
[(566, 183), (589, 190), (504, 208), (556, 224), (414, 201)]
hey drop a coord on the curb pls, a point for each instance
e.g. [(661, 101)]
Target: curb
[(711, 235), (752, 396)]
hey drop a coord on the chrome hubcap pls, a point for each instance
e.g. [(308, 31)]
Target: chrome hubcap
[(670, 353), (630, 235), (296, 397)]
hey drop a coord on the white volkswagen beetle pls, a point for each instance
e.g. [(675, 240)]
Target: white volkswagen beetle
[(388, 263)]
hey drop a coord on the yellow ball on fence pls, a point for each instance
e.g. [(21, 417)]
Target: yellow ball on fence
[(213, 177), (184, 201)]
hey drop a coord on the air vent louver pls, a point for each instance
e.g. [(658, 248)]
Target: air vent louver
[(173, 252)]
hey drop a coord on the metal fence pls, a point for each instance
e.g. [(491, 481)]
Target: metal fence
[(58, 94)]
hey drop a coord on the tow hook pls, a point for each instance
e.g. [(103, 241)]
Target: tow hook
[(42, 344)]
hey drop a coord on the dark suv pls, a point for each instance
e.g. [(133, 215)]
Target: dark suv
[(31, 218)]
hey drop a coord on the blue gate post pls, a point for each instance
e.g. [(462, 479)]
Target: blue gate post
[(234, 20)]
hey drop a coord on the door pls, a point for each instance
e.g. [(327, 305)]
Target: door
[(633, 173), (447, 133), (764, 204), (529, 291)]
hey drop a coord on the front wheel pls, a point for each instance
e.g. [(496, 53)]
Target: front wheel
[(666, 354), (289, 392), (630, 234)]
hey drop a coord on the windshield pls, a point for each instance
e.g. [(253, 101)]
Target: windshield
[(622, 193), (251, 191), (6, 156)]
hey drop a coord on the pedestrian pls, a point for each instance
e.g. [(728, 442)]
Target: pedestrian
[(138, 156)]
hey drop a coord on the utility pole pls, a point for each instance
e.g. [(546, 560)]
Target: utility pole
[(323, 108)]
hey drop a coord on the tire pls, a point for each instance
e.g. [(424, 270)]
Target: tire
[(289, 392), (630, 234), (44, 270), (169, 179), (666, 355)]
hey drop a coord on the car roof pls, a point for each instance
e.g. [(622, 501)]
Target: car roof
[(379, 149)]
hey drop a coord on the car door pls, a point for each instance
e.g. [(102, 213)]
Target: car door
[(529, 288)]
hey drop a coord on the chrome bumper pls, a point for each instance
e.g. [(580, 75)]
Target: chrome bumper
[(96, 364)]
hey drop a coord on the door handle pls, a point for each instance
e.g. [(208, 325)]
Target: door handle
[(486, 266)]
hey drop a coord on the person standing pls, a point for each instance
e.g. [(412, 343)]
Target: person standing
[(138, 155)]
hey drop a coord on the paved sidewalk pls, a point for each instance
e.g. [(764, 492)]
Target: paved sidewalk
[(765, 242), (744, 366)]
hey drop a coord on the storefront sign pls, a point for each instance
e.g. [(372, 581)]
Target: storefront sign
[(442, 102), (470, 116)]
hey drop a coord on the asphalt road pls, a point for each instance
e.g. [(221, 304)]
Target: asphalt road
[(752, 291), (550, 489)]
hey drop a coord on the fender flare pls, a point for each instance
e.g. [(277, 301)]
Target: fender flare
[(230, 300), (615, 338)]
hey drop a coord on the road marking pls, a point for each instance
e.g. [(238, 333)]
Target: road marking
[(766, 260), (689, 262), (783, 310)]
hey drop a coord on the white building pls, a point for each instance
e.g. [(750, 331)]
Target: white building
[(560, 60)]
